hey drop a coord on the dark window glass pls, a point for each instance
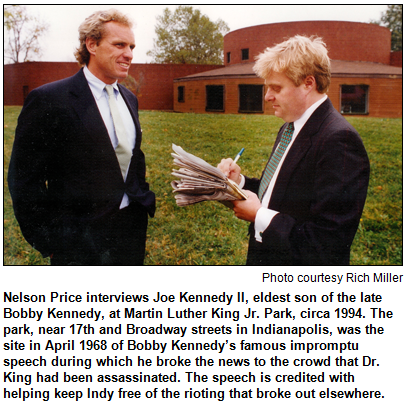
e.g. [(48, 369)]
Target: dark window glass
[(245, 54), (181, 94), (251, 98), (228, 57), (354, 99), (215, 98)]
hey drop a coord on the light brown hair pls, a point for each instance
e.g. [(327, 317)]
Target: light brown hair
[(298, 57), (93, 27)]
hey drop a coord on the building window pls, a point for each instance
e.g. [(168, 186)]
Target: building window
[(228, 57), (181, 94), (245, 54), (251, 98), (354, 99), (214, 98)]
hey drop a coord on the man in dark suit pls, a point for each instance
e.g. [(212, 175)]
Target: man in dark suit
[(306, 207), (77, 172)]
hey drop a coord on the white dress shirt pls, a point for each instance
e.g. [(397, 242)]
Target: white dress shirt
[(102, 100), (264, 215)]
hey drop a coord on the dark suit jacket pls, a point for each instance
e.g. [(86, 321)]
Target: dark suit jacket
[(319, 194), (64, 173)]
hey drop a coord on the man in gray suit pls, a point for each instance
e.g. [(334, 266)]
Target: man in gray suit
[(77, 172)]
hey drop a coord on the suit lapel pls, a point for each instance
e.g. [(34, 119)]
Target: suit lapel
[(297, 152), (134, 115), (138, 131), (86, 108)]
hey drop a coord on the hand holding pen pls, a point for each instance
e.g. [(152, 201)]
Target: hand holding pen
[(230, 168), (239, 155)]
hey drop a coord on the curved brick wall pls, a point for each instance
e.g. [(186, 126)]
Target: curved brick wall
[(347, 41)]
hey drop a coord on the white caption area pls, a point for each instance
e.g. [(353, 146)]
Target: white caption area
[(199, 335)]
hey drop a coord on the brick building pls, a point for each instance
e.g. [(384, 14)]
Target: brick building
[(154, 81), (366, 75)]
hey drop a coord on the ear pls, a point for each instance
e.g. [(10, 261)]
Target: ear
[(309, 83), (91, 45)]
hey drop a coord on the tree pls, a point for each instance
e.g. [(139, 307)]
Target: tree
[(187, 36), (23, 32), (392, 18)]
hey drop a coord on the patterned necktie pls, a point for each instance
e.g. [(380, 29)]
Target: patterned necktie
[(274, 161), (123, 150)]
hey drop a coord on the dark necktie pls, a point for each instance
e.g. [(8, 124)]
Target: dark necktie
[(274, 161)]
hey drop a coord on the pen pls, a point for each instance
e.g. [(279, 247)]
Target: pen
[(238, 155)]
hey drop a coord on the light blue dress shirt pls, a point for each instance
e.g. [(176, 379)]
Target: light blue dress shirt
[(101, 97)]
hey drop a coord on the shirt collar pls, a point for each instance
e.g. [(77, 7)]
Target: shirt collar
[(299, 123), (96, 84)]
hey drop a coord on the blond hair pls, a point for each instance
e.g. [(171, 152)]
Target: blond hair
[(93, 27), (298, 57)]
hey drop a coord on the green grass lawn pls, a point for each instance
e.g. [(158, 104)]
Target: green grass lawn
[(208, 233)]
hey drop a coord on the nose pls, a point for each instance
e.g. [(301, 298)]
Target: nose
[(128, 53), (269, 96)]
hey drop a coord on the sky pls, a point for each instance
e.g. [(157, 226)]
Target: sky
[(62, 37)]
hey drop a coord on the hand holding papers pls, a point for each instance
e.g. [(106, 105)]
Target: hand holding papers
[(199, 181)]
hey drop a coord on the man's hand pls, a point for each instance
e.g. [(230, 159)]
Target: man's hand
[(230, 169), (247, 209)]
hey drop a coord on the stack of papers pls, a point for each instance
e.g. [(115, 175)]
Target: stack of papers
[(199, 181)]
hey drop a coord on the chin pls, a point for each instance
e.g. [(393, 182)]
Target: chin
[(121, 77)]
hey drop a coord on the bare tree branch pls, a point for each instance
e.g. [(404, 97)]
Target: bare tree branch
[(23, 32)]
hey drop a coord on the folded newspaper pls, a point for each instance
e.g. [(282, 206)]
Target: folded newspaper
[(199, 181)]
